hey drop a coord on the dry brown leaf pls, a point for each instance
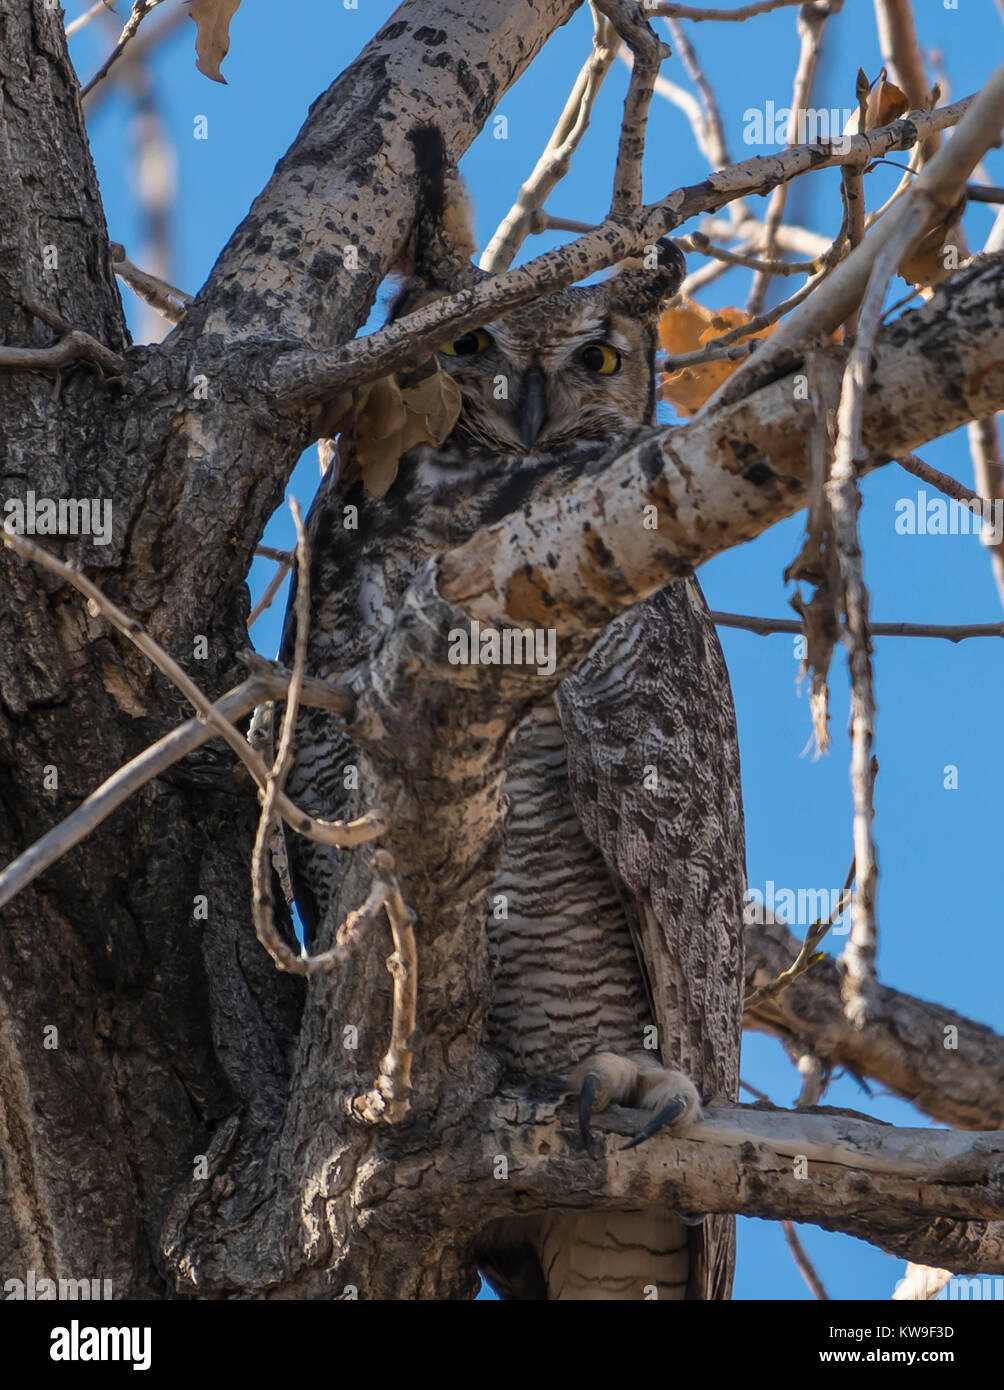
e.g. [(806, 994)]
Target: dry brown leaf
[(392, 421), (931, 262), (687, 328), (213, 38), (438, 399), (886, 103)]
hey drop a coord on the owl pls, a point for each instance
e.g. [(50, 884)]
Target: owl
[(617, 962)]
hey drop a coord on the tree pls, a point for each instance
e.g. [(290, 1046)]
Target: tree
[(169, 1111)]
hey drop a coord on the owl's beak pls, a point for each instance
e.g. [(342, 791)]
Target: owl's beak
[(532, 406)]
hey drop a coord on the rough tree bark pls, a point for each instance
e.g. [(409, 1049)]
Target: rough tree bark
[(175, 1038)]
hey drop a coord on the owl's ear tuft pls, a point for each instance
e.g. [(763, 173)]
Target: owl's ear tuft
[(644, 284), (436, 258)]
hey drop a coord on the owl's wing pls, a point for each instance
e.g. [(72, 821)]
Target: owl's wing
[(653, 765)]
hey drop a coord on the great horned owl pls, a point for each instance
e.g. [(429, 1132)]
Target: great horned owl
[(618, 961)]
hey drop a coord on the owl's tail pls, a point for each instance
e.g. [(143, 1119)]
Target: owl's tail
[(614, 1255)]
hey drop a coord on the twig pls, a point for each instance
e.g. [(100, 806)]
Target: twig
[(168, 301), (810, 22), (554, 162), (647, 52), (984, 193), (139, 49), (268, 828), (950, 486), (269, 681), (343, 834), (274, 585), (669, 10), (985, 449), (710, 128), (852, 189), (140, 9), (799, 241), (713, 352), (543, 222), (859, 986), (74, 345), (702, 244), (767, 627), (754, 1091), (807, 954), (901, 54), (802, 1261), (77, 24), (388, 1098)]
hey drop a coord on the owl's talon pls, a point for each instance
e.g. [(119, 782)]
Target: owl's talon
[(693, 1218), (666, 1116), (638, 1080)]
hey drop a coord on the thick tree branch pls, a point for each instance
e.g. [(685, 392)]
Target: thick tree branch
[(909, 1190)]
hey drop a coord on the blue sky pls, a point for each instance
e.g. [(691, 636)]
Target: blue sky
[(940, 918)]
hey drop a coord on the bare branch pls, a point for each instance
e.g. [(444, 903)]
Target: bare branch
[(810, 22), (647, 53), (911, 1191), (167, 300), (699, 242), (950, 632), (140, 9), (553, 164), (988, 472), (74, 346), (269, 681), (139, 49), (669, 10), (274, 585), (804, 1265), (388, 1100), (344, 835), (78, 23), (902, 56), (710, 129), (844, 497)]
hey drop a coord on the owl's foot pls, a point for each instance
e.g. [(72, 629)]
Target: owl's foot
[(606, 1078)]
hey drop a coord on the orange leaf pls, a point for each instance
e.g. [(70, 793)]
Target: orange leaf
[(687, 328)]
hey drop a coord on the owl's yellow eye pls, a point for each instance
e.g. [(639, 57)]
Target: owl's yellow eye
[(475, 341), (600, 357)]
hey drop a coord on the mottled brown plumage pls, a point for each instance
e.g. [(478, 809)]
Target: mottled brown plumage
[(622, 871)]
